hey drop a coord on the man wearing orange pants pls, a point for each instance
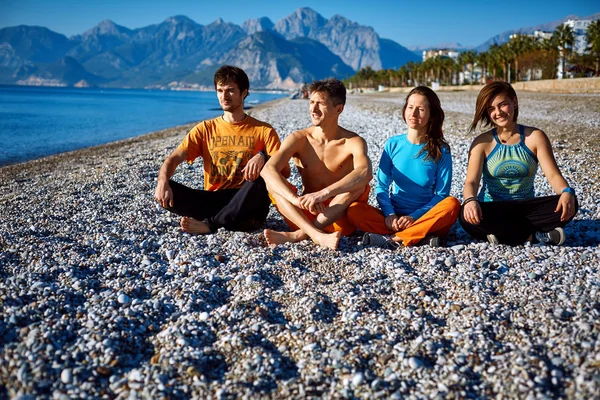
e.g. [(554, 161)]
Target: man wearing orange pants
[(334, 167)]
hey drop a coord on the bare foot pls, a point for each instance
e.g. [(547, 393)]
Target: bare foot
[(329, 240), (275, 237), (191, 225)]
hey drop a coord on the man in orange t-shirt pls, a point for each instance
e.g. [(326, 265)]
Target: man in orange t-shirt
[(234, 147)]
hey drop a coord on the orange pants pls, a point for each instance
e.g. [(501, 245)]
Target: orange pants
[(342, 225), (436, 221)]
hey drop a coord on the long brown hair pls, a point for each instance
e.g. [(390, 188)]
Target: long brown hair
[(435, 135), (485, 98)]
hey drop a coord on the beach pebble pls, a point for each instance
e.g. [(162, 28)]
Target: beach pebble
[(358, 379), (415, 363), (123, 299), (66, 376)]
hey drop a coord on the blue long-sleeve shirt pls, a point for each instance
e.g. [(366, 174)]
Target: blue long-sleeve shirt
[(416, 184)]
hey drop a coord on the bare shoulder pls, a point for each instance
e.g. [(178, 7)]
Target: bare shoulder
[(350, 136), (483, 140), (534, 133), (298, 136)]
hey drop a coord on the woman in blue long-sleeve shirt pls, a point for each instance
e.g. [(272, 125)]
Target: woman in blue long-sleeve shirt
[(413, 181)]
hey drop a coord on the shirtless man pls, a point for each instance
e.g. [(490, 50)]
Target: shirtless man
[(334, 167)]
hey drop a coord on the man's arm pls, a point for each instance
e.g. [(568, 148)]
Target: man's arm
[(360, 176), (163, 193), (278, 164)]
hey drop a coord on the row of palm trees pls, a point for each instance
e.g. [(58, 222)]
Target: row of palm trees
[(518, 59)]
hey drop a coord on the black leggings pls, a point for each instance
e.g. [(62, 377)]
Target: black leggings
[(513, 222), (241, 209)]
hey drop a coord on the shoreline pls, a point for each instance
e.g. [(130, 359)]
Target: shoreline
[(162, 133), (103, 295)]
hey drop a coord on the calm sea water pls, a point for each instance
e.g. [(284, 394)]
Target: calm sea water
[(40, 121)]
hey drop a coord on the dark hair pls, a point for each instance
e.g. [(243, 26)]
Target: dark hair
[(229, 73), (334, 88), (435, 135), (485, 98)]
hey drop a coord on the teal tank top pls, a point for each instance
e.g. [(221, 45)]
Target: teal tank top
[(509, 171)]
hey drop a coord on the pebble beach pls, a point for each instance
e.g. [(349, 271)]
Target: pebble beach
[(103, 296)]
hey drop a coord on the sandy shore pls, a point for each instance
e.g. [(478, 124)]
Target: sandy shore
[(102, 295)]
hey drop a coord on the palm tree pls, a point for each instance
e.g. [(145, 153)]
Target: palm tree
[(483, 59), (426, 68), (469, 58), (461, 62), (418, 70), (494, 58), (403, 74), (550, 50), (436, 64), (448, 68), (565, 38), (520, 45), (366, 76), (411, 68), (593, 39), (505, 57)]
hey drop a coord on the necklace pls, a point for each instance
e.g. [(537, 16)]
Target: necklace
[(502, 140)]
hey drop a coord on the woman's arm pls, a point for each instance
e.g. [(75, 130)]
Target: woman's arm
[(539, 143), (472, 210)]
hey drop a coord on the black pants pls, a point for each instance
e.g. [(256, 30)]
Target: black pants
[(243, 209), (514, 221)]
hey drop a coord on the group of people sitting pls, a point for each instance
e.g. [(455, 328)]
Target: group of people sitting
[(246, 169)]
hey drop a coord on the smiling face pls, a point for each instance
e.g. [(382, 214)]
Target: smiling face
[(501, 110), (229, 96), (417, 113), (322, 109)]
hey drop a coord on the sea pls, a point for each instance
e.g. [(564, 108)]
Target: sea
[(40, 121)]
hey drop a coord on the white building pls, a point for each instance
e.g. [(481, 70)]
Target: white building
[(580, 28), (453, 54)]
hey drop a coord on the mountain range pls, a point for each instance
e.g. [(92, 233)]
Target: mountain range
[(180, 53)]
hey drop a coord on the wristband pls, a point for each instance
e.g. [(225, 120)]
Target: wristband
[(470, 199), (569, 190), (264, 154)]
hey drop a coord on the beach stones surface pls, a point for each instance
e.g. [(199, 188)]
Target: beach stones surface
[(103, 295)]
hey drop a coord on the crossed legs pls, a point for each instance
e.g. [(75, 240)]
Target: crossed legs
[(324, 229)]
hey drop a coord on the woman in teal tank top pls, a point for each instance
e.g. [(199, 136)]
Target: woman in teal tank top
[(506, 158)]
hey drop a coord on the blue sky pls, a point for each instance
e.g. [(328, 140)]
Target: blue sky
[(407, 22)]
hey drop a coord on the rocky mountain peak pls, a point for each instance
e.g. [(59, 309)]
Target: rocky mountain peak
[(257, 25), (304, 22), (107, 28), (179, 20)]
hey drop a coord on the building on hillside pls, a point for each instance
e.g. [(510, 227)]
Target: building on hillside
[(431, 53)]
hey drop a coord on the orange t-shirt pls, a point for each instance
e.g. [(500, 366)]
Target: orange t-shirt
[(227, 147)]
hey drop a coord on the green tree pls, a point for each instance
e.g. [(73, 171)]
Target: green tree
[(448, 68), (520, 45), (494, 59), (411, 67), (565, 38), (505, 57), (469, 59), (403, 75), (593, 39), (548, 62)]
